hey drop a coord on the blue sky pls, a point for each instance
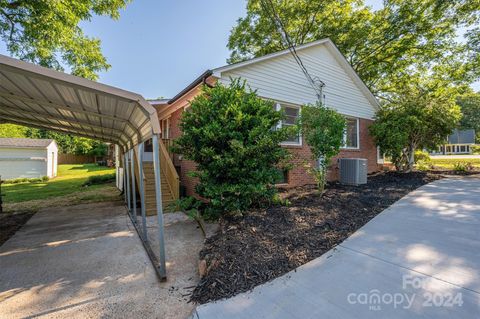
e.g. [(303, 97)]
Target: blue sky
[(157, 47)]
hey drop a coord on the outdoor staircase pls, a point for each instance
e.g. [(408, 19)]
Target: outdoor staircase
[(168, 197), (169, 182)]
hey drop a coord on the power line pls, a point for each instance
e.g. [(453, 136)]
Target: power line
[(271, 12)]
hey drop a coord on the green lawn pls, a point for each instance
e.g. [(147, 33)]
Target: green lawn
[(69, 180), (448, 163)]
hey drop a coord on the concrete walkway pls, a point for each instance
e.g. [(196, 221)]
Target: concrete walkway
[(418, 259), (87, 261)]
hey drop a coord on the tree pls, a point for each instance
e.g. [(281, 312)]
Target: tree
[(382, 45), (323, 129), (470, 106), (70, 144), (47, 32), (419, 117), (228, 132), (12, 130)]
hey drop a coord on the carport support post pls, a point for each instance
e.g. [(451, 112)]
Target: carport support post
[(158, 197), (124, 177), (142, 190), (134, 191), (127, 174)]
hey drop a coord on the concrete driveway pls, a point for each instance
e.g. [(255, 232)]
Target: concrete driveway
[(420, 258), (87, 261)]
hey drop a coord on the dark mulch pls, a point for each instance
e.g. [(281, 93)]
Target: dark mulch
[(11, 222), (266, 243)]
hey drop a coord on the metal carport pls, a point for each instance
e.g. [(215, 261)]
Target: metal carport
[(35, 96)]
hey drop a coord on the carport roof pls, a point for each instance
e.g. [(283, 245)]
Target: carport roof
[(35, 96)]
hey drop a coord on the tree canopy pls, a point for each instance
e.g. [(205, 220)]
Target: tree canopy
[(67, 144), (47, 33), (422, 117), (383, 46), (470, 106)]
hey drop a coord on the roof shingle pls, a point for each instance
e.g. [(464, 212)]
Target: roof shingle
[(24, 142)]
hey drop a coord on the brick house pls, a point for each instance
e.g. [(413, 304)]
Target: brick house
[(277, 77)]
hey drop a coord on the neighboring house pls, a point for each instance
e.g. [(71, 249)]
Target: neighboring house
[(277, 77), (459, 142), (29, 158)]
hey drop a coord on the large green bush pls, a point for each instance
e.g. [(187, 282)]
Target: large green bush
[(230, 133)]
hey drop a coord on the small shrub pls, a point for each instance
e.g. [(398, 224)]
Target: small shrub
[(323, 129), (423, 165), (422, 156), (45, 179), (463, 167), (25, 180), (475, 149), (99, 179), (192, 208)]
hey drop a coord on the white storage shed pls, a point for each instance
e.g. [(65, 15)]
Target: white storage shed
[(29, 158)]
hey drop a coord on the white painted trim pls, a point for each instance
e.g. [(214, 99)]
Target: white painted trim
[(278, 107), (265, 57), (358, 135), (330, 46)]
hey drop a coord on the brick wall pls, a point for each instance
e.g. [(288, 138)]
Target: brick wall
[(297, 176)]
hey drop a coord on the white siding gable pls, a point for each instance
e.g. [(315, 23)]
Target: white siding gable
[(279, 78)]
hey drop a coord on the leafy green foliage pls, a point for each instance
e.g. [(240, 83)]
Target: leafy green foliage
[(12, 130), (382, 45), (470, 106), (192, 207), (420, 118), (323, 130), (475, 149), (26, 180), (67, 144), (420, 155), (47, 32), (99, 179), (228, 132), (463, 167), (70, 144)]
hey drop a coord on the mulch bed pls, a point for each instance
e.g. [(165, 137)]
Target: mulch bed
[(11, 222), (264, 244)]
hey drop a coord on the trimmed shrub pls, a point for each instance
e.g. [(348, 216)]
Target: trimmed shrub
[(99, 179), (25, 180), (475, 149), (230, 133), (422, 156), (463, 167)]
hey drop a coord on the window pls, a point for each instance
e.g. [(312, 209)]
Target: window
[(351, 134), (165, 125), (291, 116), (282, 176), (148, 146), (380, 156)]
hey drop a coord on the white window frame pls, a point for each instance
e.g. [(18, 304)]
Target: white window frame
[(344, 147), (380, 157), (278, 107), (167, 131)]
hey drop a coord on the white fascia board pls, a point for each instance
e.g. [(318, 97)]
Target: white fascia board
[(331, 47)]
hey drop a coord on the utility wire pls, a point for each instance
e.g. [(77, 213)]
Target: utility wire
[(269, 8)]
